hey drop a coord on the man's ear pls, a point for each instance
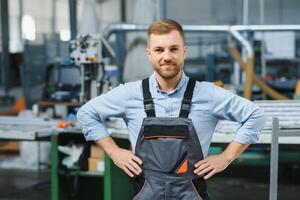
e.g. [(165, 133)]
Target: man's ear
[(148, 53), (185, 50)]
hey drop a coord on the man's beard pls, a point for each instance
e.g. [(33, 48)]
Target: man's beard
[(168, 76)]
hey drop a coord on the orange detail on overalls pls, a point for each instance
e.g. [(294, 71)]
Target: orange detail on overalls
[(183, 168)]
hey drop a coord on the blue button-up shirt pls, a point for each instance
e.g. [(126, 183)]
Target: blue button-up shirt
[(209, 105)]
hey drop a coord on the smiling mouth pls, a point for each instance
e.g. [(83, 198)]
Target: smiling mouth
[(167, 65)]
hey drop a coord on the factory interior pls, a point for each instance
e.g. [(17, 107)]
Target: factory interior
[(56, 55)]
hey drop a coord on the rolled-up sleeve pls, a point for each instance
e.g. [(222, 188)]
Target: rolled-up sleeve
[(93, 114), (235, 108)]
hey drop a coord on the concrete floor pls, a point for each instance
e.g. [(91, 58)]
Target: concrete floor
[(224, 188), (24, 185), (234, 184), (252, 183)]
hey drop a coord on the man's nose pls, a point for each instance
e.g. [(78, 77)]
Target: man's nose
[(167, 56)]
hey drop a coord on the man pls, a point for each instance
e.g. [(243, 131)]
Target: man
[(171, 120)]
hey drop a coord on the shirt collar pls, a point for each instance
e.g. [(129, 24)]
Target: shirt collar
[(155, 87)]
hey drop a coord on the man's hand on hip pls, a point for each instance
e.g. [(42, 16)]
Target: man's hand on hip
[(216, 163), (211, 165), (127, 161), (123, 158)]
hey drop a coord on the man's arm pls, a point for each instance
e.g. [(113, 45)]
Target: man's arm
[(123, 158), (217, 163), (229, 106), (92, 116)]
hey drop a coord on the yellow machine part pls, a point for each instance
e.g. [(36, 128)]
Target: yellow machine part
[(249, 71)]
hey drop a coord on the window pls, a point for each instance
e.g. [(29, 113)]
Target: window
[(28, 27)]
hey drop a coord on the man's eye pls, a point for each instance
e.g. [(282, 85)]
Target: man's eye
[(174, 49), (158, 50)]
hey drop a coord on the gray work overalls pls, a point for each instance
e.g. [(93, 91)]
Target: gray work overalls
[(169, 148)]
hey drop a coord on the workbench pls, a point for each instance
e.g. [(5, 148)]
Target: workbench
[(288, 113), (25, 129), (101, 185), (112, 184)]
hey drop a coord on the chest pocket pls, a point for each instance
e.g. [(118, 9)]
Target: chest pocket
[(165, 146)]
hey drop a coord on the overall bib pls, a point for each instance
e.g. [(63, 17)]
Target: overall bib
[(169, 148)]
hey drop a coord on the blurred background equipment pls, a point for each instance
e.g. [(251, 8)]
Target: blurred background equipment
[(87, 52), (62, 82)]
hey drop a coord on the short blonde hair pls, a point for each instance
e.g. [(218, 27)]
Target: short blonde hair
[(164, 26)]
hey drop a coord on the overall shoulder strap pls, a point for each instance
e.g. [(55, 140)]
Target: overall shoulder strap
[(187, 99), (148, 102)]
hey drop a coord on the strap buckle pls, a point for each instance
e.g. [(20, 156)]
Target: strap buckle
[(186, 104), (148, 104), (186, 101)]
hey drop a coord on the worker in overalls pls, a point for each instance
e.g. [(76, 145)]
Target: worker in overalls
[(171, 120)]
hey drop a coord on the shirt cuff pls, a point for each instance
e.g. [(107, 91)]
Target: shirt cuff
[(246, 136), (94, 135)]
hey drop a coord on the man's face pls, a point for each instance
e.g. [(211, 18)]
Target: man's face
[(166, 53)]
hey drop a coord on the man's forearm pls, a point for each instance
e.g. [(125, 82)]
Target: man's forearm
[(108, 144), (122, 158), (233, 150)]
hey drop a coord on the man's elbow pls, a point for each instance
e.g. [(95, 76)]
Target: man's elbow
[(260, 118), (81, 114)]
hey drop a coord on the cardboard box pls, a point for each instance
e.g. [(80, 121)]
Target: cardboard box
[(9, 149), (97, 152), (96, 165)]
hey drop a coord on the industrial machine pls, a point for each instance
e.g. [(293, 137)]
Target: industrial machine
[(88, 52)]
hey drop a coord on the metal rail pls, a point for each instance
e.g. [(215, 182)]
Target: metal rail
[(274, 161), (277, 132), (233, 30)]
